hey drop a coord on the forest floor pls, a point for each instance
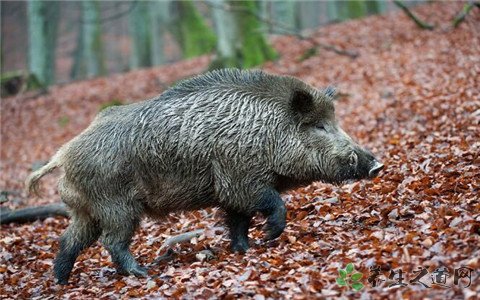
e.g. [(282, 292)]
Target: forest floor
[(412, 97)]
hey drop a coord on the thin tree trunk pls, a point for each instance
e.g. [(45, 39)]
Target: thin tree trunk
[(375, 6), (92, 39), (88, 58), (332, 11), (78, 68), (265, 8), (42, 35), (308, 14), (159, 17), (139, 25), (227, 32), (285, 13)]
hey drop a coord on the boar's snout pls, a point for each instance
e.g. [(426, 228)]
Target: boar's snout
[(375, 165), (376, 168), (364, 163)]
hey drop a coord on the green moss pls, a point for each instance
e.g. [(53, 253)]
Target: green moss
[(113, 102), (225, 62), (63, 121), (254, 49), (193, 34), (351, 9), (310, 52)]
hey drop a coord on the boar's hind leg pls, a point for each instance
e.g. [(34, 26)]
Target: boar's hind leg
[(238, 224), (272, 207), (80, 234), (118, 230)]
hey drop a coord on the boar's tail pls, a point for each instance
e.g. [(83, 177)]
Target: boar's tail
[(34, 178)]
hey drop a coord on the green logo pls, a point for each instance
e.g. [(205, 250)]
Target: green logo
[(350, 279)]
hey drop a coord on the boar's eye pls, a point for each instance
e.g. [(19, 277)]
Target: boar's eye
[(320, 126)]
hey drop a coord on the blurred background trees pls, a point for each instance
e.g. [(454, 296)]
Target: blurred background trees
[(60, 41)]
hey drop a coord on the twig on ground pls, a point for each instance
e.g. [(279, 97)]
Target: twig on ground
[(181, 238), (460, 17), (336, 50), (31, 214), (185, 237), (420, 23)]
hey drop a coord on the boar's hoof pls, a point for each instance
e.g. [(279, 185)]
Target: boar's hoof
[(62, 281), (137, 270), (240, 247), (273, 230)]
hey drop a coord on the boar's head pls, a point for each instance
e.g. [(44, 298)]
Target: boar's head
[(317, 149)]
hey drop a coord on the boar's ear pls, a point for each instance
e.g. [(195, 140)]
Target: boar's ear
[(301, 101)]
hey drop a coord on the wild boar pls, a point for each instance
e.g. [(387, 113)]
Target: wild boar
[(229, 138)]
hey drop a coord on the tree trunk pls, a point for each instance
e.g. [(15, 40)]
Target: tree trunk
[(42, 35), (284, 12), (159, 17), (92, 39), (308, 14), (265, 12), (191, 31), (332, 11), (88, 58), (227, 29), (240, 43), (375, 6), (78, 68), (139, 25)]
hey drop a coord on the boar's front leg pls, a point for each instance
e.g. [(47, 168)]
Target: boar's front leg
[(238, 223), (272, 207), (242, 196)]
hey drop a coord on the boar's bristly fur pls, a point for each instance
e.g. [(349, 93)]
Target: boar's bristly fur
[(232, 139)]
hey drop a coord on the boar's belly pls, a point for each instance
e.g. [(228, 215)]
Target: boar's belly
[(179, 195)]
